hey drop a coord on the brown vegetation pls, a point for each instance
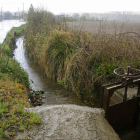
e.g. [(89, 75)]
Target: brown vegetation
[(82, 60)]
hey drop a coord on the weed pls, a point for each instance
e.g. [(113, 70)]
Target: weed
[(63, 83), (1, 132), (12, 68), (34, 118), (60, 82), (22, 127)]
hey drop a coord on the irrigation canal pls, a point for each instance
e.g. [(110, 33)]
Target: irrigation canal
[(55, 94)]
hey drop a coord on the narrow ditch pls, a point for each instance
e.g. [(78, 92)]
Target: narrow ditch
[(55, 94)]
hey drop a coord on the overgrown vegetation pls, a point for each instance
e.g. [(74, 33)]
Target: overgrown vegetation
[(8, 65), (13, 99), (80, 61), (13, 90)]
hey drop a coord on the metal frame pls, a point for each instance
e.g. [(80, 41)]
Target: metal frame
[(125, 115)]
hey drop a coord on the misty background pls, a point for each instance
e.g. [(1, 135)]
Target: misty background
[(122, 16)]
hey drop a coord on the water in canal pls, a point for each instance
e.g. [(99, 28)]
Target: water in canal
[(55, 94)]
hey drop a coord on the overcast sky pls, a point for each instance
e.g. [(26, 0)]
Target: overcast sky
[(73, 6)]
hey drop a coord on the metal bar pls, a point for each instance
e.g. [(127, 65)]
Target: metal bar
[(128, 70), (103, 90), (121, 86), (125, 94), (138, 94)]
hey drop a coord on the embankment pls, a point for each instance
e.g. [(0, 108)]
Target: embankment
[(13, 90)]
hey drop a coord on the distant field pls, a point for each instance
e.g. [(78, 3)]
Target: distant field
[(108, 27)]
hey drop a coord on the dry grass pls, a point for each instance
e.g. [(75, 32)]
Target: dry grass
[(82, 60)]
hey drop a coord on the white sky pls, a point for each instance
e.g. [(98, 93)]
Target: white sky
[(72, 6)]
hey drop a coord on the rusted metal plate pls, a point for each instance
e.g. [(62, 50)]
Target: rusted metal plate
[(124, 115)]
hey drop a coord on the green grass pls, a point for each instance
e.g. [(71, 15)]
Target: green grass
[(10, 67), (12, 101)]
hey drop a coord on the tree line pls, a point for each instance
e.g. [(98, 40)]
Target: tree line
[(125, 15), (10, 15)]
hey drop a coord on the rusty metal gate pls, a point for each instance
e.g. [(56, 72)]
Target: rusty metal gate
[(124, 115)]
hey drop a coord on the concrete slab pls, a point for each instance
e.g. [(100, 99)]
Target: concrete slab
[(70, 122)]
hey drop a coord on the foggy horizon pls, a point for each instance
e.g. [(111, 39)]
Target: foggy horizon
[(68, 7)]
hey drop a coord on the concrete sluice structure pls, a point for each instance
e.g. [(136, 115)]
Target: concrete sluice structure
[(70, 122)]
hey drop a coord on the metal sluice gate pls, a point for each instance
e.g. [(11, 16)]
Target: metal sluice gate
[(124, 115)]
